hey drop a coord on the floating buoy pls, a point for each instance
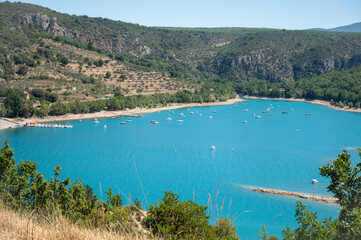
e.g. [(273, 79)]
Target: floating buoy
[(314, 181)]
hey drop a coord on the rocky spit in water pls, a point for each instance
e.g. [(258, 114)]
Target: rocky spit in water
[(295, 194)]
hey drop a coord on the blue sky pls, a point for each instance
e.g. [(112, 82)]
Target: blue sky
[(289, 14)]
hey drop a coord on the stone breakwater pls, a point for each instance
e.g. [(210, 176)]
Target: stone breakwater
[(295, 194)]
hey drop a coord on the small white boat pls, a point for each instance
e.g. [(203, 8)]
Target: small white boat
[(191, 112), (246, 110), (253, 115), (244, 121), (258, 117), (213, 148), (128, 120), (181, 114), (314, 181), (214, 111), (307, 114), (210, 117), (105, 126), (169, 119), (179, 121), (201, 114), (95, 121), (123, 123)]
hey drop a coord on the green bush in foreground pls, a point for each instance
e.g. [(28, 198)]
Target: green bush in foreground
[(23, 188), (175, 219), (346, 186)]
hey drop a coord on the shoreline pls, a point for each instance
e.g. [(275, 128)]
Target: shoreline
[(7, 122), (318, 102), (330, 200)]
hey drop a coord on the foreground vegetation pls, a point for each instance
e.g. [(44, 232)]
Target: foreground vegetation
[(26, 192), (346, 186), (24, 189), (16, 225)]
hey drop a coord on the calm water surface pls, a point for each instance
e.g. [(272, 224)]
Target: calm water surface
[(282, 151)]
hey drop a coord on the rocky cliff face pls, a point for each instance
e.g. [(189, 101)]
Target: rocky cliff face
[(275, 67), (109, 45), (50, 25)]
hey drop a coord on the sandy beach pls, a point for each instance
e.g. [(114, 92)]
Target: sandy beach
[(106, 114), (7, 123), (294, 194), (319, 102)]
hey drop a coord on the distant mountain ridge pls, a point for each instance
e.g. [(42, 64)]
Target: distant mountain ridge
[(355, 27)]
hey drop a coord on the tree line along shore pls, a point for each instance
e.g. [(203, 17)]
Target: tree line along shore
[(15, 105), (10, 122)]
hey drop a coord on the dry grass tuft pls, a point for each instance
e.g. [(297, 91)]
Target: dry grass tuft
[(35, 227)]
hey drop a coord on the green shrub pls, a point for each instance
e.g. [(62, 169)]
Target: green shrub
[(175, 219), (225, 229)]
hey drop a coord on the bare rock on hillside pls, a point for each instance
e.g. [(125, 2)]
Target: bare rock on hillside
[(38, 19), (50, 25), (58, 31)]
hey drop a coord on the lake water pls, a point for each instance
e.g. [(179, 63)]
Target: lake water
[(140, 159)]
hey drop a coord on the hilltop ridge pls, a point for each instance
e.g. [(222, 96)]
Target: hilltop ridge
[(354, 27)]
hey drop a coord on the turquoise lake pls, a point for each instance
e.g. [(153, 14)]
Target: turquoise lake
[(282, 151)]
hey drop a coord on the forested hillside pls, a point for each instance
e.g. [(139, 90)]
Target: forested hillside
[(82, 58), (341, 88), (275, 55)]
